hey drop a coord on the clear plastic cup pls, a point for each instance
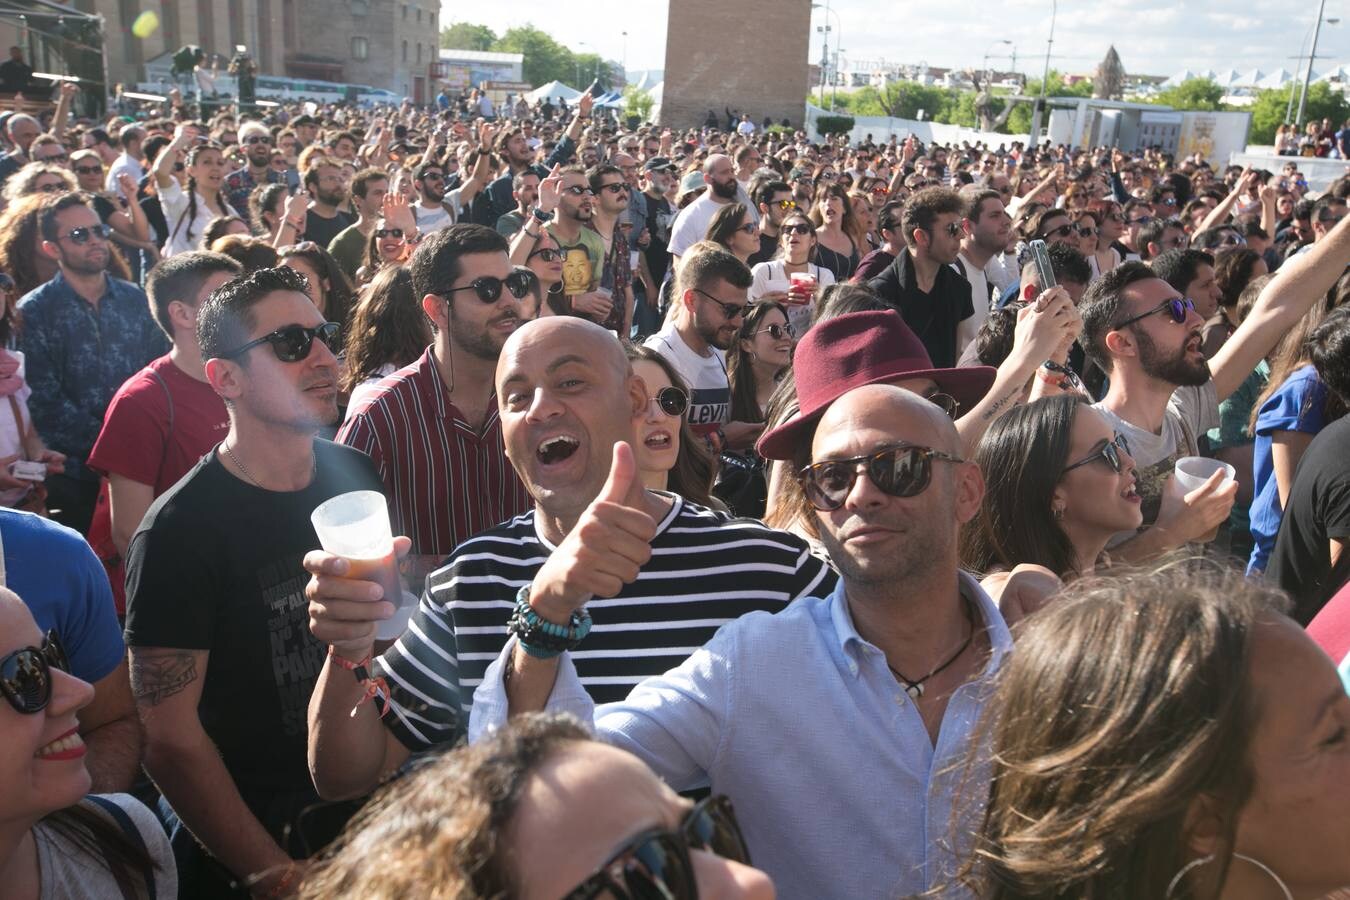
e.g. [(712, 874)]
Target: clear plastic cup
[(803, 287), (1193, 471), (355, 525)]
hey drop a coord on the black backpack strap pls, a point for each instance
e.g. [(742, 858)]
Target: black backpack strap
[(119, 815)]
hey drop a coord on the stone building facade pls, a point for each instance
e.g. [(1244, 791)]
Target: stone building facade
[(748, 55)]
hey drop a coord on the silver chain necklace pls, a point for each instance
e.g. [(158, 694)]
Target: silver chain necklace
[(249, 475)]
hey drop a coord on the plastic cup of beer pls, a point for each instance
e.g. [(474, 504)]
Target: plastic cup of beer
[(1191, 472), (355, 526)]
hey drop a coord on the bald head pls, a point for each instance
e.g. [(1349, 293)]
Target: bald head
[(715, 161), (550, 335), (887, 409)]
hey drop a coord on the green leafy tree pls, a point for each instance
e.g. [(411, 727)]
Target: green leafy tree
[(545, 59), (1193, 93), (1269, 108), (1019, 120), (467, 36), (637, 103)]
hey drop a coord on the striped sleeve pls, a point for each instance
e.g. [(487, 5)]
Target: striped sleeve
[(422, 671)]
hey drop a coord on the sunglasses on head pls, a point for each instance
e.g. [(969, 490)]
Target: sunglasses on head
[(489, 287), (656, 864), (1109, 453), (389, 232), (776, 331), (672, 401), (1061, 231), (26, 676), (1177, 308), (83, 234), (730, 310), (292, 343), (902, 471)]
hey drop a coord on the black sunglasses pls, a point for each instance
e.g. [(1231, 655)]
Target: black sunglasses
[(617, 187), (6, 283), (730, 310), (52, 188), (902, 471), (797, 228), (579, 190), (88, 170), (388, 232), (1086, 231), (1061, 231), (1110, 452), (673, 401), (547, 254), (257, 139), (776, 331), (26, 677), (1142, 220), (1177, 308), (656, 863), (82, 235), (489, 287), (293, 342)]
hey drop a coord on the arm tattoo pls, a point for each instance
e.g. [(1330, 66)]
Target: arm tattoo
[(1000, 403), (156, 678)]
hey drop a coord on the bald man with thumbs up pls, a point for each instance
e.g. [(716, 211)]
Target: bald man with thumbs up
[(655, 575)]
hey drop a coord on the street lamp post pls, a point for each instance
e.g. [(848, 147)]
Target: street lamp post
[(1312, 55), (1033, 138), (985, 64), (825, 51)]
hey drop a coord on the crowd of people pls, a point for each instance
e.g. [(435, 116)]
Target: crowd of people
[(773, 517)]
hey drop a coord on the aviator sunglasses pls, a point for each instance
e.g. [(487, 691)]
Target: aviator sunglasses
[(901, 471), (26, 677), (656, 863)]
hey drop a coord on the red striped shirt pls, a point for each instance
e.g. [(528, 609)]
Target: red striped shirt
[(445, 481)]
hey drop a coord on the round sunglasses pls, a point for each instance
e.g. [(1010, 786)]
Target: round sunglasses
[(656, 863), (672, 401), (489, 287), (901, 471), (381, 233), (26, 677), (292, 343), (776, 331)]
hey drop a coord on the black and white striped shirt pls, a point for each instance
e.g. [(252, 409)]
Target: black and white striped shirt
[(706, 570)]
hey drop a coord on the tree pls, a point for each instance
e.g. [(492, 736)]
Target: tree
[(1109, 81), (637, 103), (1268, 110), (1193, 93), (1019, 119), (467, 36), (545, 59)]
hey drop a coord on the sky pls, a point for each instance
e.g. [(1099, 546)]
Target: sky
[(1153, 37)]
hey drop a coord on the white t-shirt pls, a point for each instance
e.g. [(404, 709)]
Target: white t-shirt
[(767, 273), (1001, 271), (692, 223), (1190, 412), (979, 299), (123, 163), (432, 220), (174, 201), (68, 869), (706, 376), (11, 443)]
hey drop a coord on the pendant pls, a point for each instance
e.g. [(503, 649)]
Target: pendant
[(915, 691)]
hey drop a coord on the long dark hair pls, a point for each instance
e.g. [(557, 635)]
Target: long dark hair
[(387, 327), (86, 829), (337, 304), (725, 222), (740, 366), (190, 214), (1022, 457), (692, 475)]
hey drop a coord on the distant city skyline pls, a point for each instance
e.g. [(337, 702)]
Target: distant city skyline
[(1153, 37)]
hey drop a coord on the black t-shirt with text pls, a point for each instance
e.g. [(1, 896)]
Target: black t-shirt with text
[(660, 215), (216, 566), (1318, 512)]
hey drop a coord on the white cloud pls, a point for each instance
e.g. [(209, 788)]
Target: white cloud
[(1157, 37)]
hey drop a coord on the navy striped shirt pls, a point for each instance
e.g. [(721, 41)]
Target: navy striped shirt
[(706, 569)]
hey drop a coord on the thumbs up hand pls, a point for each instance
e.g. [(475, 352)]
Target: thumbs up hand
[(605, 549)]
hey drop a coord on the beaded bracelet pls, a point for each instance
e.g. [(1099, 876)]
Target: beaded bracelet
[(543, 639), (374, 687)]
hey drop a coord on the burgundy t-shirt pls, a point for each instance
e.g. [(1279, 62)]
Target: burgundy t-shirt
[(136, 441)]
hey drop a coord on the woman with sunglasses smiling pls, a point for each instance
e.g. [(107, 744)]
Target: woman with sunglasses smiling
[(1058, 484), (669, 456), (756, 365), (773, 282), (539, 811), (55, 841), (733, 229)]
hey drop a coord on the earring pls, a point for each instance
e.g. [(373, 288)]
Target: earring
[(1057, 513), (1197, 863)]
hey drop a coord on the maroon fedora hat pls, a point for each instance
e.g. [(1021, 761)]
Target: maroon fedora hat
[(853, 350)]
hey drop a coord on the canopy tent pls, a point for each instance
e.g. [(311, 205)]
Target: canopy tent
[(1227, 78), (1182, 76), (1278, 78), (612, 100), (1250, 79), (554, 90), (1340, 73)]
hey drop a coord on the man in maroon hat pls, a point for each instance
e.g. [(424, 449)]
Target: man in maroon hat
[(884, 679)]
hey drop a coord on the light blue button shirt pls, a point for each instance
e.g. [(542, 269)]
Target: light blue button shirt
[(837, 786)]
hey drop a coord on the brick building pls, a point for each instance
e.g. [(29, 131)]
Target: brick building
[(749, 55)]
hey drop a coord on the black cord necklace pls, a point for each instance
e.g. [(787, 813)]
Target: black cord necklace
[(915, 688)]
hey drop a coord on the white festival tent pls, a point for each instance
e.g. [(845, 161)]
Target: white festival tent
[(554, 90), (1340, 73), (1276, 79), (1250, 79)]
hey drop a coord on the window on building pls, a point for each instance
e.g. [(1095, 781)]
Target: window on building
[(360, 8), (405, 12), (405, 51), (419, 15), (419, 53), (360, 48)]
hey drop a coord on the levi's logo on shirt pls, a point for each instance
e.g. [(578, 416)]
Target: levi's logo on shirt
[(708, 408)]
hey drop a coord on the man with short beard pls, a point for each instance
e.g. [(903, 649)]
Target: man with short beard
[(514, 147), (84, 334), (324, 220), (774, 201), (583, 251), (1163, 394), (710, 293), (611, 208), (692, 222), (432, 427), (987, 227), (256, 141)]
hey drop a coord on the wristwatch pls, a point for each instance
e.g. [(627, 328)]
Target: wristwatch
[(540, 216)]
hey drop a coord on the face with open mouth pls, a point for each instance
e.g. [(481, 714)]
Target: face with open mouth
[(1095, 497), (42, 757), (658, 434)]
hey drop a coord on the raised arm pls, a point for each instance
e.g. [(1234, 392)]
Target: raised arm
[(168, 157), (1219, 213), (65, 94), (1291, 293)]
